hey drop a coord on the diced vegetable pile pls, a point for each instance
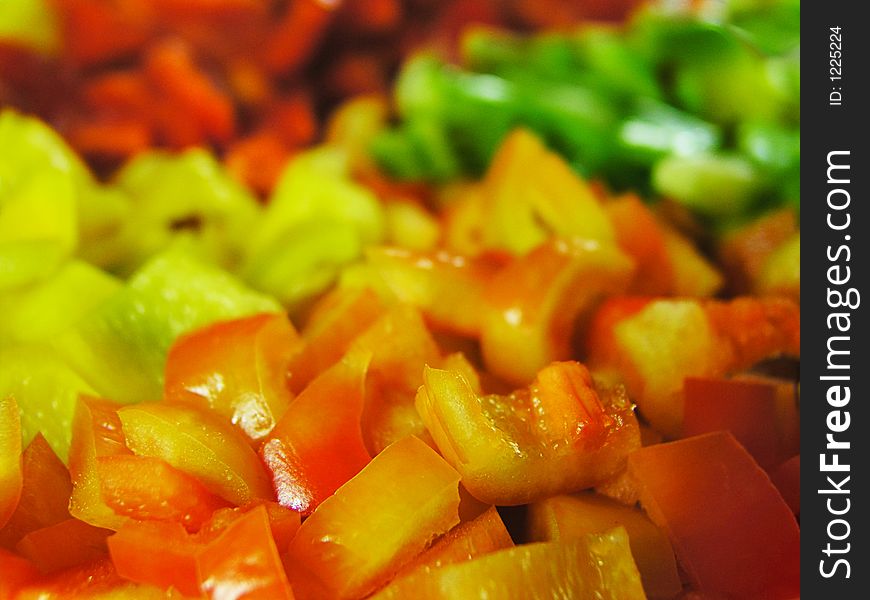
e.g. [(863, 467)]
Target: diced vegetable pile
[(530, 329)]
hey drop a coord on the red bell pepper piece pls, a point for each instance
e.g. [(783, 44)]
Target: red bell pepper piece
[(45, 493), (146, 488), (66, 544), (317, 446), (762, 418), (787, 479), (236, 368), (15, 573), (732, 532), (558, 435)]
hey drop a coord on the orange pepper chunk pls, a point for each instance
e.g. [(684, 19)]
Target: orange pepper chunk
[(243, 561), (147, 488), (96, 432), (45, 493), (594, 566), (732, 532), (66, 544), (11, 476), (237, 368), (535, 302), (654, 348), (283, 522), (400, 345), (335, 321), (447, 288), (558, 435), (640, 235), (484, 534), (158, 553), (568, 517), (317, 446), (200, 444), (378, 521), (97, 579)]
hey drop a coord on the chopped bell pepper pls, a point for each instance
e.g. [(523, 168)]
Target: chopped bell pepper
[(762, 415), (148, 489), (335, 321), (243, 562), (63, 545), (317, 445), (447, 288), (654, 345), (238, 369), (484, 534), (96, 433), (120, 348), (594, 566), (569, 517), (732, 532), (400, 346), (534, 303), (558, 435), (43, 383), (45, 493), (199, 444), (159, 553), (15, 573), (378, 521)]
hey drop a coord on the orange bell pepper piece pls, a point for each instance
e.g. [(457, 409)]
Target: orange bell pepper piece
[(558, 435), (400, 345), (484, 534), (199, 444), (535, 302), (159, 553), (594, 566), (762, 415), (11, 477), (243, 561), (317, 446), (640, 235), (447, 288), (96, 432), (283, 522), (655, 347), (236, 368), (568, 517), (335, 321), (45, 493), (732, 532), (66, 544), (378, 521), (146, 488)]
